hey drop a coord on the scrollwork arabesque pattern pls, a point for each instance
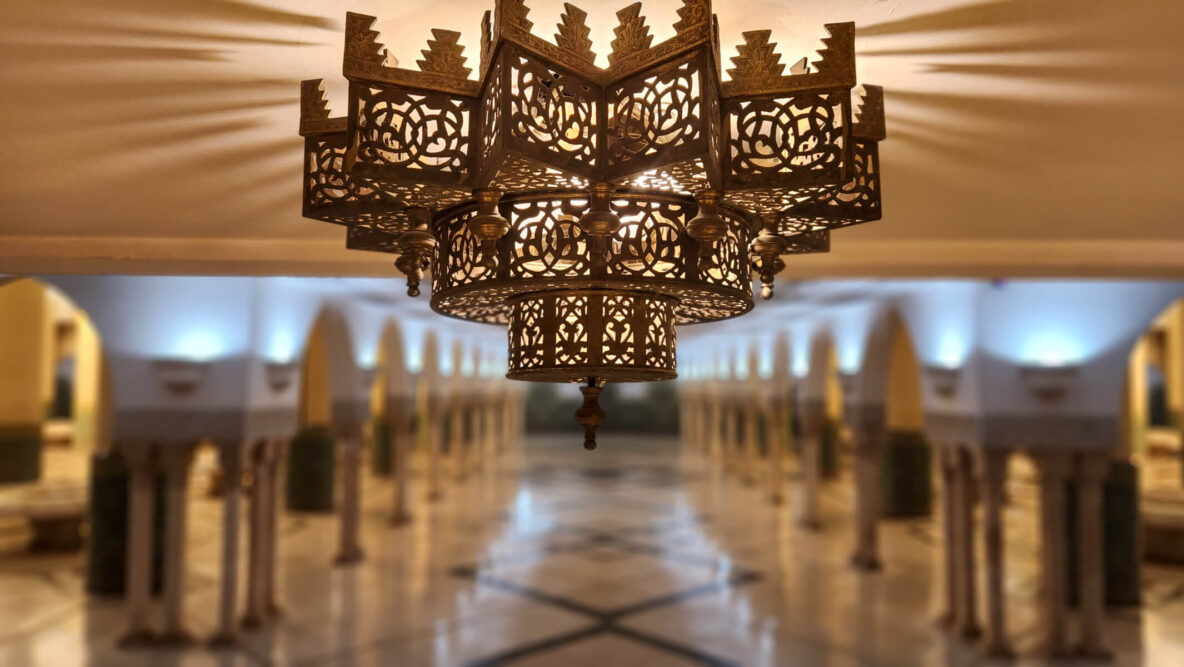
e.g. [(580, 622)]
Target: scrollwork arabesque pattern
[(652, 116), (401, 131), (798, 140), (551, 112)]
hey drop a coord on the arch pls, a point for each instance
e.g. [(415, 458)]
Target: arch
[(1153, 399), (330, 378), (72, 396)]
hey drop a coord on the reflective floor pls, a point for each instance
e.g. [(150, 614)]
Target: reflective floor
[(631, 555)]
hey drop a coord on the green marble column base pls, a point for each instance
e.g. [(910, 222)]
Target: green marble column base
[(106, 558), (311, 470), (1120, 537), (906, 484), (20, 453)]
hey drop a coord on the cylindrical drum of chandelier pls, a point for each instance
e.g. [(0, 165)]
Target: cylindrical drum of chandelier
[(611, 335)]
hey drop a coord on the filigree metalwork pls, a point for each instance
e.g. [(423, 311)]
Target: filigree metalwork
[(571, 335), (615, 203)]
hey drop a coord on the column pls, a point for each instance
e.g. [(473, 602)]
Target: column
[(141, 483), (751, 431), (176, 459), (432, 428), (966, 614), (810, 514), (728, 416), (489, 430), (867, 496), (993, 478), (231, 458), (715, 437), (1091, 566), (457, 430), (350, 550), (1054, 470), (947, 457), (400, 453), (256, 611), (777, 418), (274, 457)]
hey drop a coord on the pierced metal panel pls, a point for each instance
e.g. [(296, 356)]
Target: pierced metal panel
[(786, 142), (551, 115), (856, 201), (410, 136), (329, 193), (570, 335), (656, 117)]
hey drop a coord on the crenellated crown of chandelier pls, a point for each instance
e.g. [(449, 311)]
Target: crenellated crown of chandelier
[(592, 209)]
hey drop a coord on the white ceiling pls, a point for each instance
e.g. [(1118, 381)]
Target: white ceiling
[(1026, 137)]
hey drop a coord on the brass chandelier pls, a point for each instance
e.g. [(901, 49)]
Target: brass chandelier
[(591, 210)]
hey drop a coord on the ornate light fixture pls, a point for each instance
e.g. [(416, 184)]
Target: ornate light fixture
[(593, 209)]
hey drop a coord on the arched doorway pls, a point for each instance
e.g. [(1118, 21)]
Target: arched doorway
[(54, 416), (906, 468), (1152, 456)]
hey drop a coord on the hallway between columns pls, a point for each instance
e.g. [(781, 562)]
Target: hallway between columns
[(635, 554)]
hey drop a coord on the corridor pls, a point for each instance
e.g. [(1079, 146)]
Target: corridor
[(640, 553)]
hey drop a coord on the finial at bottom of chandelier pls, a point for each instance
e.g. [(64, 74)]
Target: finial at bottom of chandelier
[(590, 414)]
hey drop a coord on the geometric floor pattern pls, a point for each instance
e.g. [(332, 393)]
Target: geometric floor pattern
[(635, 554)]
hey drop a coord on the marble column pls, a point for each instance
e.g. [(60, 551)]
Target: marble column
[(728, 437), (777, 418), (810, 507), (966, 614), (457, 430), (867, 447), (490, 430), (275, 454), (175, 459), (715, 436), (1054, 469), (432, 428), (947, 459), (400, 453), (141, 484), (350, 549), (231, 459), (992, 472), (1091, 567), (750, 442), (256, 611)]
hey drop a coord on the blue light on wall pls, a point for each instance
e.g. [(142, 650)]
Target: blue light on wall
[(1051, 348), (952, 350), (199, 345), (282, 347)]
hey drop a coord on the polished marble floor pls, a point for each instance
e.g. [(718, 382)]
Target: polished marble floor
[(635, 554)]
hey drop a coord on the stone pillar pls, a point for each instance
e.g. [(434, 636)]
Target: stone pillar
[(275, 453), (868, 436), (777, 418), (728, 416), (1091, 567), (350, 549), (256, 611), (458, 423), (947, 457), (489, 430), (432, 428), (231, 458), (141, 483), (175, 459), (810, 512), (992, 472), (1054, 470), (966, 613), (400, 460), (751, 432), (715, 437)]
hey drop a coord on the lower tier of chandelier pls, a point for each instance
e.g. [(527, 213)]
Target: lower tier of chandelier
[(610, 335), (546, 250)]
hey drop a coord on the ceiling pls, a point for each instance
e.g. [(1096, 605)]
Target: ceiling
[(1026, 137)]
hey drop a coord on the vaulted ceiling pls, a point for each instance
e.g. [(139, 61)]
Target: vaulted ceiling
[(1026, 137)]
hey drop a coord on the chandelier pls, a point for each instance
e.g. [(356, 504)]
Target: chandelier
[(591, 210)]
